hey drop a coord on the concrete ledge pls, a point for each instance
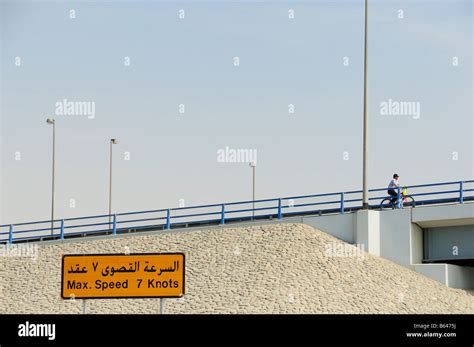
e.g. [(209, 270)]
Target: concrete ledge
[(445, 215), (437, 272), (453, 276), (460, 276)]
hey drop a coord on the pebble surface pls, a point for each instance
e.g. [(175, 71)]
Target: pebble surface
[(275, 268)]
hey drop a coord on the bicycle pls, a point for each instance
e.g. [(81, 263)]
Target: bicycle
[(406, 201)]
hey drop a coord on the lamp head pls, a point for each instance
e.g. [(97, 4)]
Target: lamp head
[(113, 141), (253, 163), (50, 121)]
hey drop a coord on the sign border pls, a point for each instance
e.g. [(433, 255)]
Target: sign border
[(125, 255)]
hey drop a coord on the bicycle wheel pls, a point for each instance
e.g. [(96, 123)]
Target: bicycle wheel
[(409, 201), (386, 203)]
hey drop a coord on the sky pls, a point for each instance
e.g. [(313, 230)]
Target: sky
[(177, 82)]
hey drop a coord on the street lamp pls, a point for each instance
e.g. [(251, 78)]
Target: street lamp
[(112, 142), (365, 187), (52, 122), (253, 165)]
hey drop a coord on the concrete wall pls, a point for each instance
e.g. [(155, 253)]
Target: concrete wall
[(416, 239), (367, 231), (397, 235), (341, 226), (389, 234)]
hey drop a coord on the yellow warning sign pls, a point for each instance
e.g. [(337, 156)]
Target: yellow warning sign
[(146, 275)]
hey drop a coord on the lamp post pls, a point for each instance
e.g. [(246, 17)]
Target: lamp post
[(365, 188), (52, 122), (253, 165), (112, 142)]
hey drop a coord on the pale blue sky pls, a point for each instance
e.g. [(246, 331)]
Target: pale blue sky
[(190, 61)]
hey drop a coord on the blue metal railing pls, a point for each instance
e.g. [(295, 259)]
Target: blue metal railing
[(340, 202)]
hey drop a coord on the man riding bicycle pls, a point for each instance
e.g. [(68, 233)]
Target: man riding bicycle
[(393, 188)]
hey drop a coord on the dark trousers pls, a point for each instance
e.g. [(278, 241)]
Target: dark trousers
[(393, 192)]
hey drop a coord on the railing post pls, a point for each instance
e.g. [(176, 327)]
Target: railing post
[(168, 219), (342, 203), (10, 236), (279, 209), (223, 214), (115, 225), (62, 229), (461, 193), (399, 201)]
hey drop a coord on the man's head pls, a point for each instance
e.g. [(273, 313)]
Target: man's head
[(395, 176)]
